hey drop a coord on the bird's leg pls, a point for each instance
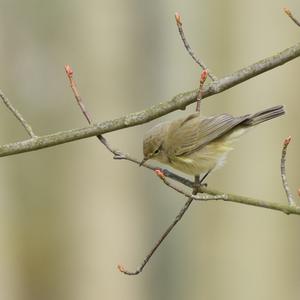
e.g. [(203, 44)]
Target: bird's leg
[(199, 182), (202, 179)]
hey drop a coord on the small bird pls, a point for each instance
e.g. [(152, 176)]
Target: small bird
[(197, 145)]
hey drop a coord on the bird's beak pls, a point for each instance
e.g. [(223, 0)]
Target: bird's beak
[(143, 161)]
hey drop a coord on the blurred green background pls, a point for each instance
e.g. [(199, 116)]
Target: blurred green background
[(70, 214)]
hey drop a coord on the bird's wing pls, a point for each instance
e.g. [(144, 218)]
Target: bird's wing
[(194, 132)]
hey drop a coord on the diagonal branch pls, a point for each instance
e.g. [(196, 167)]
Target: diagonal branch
[(178, 102), (283, 172), (17, 115), (189, 49), (165, 234), (75, 91), (158, 243)]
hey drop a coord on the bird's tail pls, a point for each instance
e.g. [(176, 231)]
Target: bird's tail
[(264, 115)]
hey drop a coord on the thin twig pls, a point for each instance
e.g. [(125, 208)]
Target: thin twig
[(289, 13), (24, 123), (283, 172), (188, 47), (164, 235), (73, 85), (77, 96), (157, 244)]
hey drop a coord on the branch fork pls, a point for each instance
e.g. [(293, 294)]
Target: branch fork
[(19, 117)]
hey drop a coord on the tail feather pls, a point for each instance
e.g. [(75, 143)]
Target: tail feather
[(264, 115)]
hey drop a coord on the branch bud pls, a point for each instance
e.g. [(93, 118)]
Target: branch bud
[(69, 71), (178, 18), (121, 268), (287, 141), (287, 11), (203, 76), (159, 173)]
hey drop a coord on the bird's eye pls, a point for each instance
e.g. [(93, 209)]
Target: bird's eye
[(156, 151)]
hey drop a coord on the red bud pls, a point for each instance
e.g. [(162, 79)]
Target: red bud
[(121, 268), (287, 11), (287, 140), (159, 173), (69, 71), (203, 75), (178, 18)]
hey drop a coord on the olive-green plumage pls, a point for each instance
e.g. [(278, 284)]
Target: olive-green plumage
[(197, 144)]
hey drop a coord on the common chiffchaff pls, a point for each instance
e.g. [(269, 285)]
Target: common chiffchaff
[(197, 144)]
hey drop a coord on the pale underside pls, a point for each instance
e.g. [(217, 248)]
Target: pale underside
[(208, 158)]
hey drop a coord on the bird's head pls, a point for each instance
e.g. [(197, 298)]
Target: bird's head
[(153, 143)]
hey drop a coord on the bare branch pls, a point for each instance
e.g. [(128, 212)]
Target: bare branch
[(164, 235), (83, 109), (188, 47), (77, 96), (178, 102), (287, 209), (212, 194), (24, 123), (283, 172), (157, 244)]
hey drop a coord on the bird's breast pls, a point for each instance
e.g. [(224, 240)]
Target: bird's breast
[(206, 159)]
